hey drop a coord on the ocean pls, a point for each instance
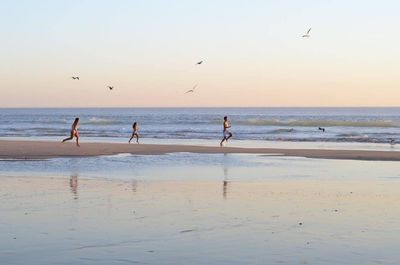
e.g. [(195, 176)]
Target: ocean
[(352, 125)]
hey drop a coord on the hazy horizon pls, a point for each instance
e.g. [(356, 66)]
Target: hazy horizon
[(253, 52), (211, 107)]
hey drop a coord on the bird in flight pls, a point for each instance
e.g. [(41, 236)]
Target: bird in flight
[(200, 62), (75, 77), (191, 90), (307, 35), (110, 87), (392, 141), (321, 129)]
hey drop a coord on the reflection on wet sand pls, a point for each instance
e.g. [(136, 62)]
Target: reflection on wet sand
[(226, 177), (134, 185), (73, 184), (225, 189), (342, 222)]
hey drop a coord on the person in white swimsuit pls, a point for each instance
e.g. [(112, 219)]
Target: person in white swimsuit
[(226, 133)]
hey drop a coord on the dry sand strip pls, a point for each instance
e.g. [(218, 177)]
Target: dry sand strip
[(48, 149)]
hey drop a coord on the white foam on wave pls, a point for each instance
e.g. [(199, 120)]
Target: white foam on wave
[(317, 123), (100, 121)]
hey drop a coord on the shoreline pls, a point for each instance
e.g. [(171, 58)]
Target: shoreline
[(48, 149)]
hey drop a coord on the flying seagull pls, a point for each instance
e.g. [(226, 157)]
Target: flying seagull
[(110, 87), (191, 90), (307, 35), (198, 63), (321, 129), (75, 77)]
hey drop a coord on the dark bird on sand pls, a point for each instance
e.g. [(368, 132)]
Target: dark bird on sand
[(110, 87), (199, 62)]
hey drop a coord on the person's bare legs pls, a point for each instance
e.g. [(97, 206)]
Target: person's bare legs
[(77, 139), (226, 138), (223, 141), (69, 138), (133, 135), (137, 137)]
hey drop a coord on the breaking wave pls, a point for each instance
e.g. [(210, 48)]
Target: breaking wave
[(316, 123), (100, 121)]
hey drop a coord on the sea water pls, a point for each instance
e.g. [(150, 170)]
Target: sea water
[(342, 125)]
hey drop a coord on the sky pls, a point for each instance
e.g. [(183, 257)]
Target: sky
[(253, 53)]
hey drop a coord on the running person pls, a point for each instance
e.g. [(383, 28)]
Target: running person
[(227, 134), (74, 132), (135, 132)]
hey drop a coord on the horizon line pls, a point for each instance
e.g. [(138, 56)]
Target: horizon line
[(197, 107)]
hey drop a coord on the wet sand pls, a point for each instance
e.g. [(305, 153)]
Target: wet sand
[(73, 220), (48, 149)]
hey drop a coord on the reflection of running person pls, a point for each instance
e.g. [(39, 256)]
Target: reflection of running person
[(226, 132), (74, 132), (135, 132)]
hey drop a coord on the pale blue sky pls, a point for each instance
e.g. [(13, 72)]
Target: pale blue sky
[(253, 51)]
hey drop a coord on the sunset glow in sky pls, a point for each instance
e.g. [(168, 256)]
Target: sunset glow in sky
[(253, 53)]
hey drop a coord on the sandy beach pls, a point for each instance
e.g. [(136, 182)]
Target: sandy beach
[(48, 149), (196, 208)]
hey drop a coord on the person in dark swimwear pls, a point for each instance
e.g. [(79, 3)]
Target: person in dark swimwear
[(135, 132), (74, 132)]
